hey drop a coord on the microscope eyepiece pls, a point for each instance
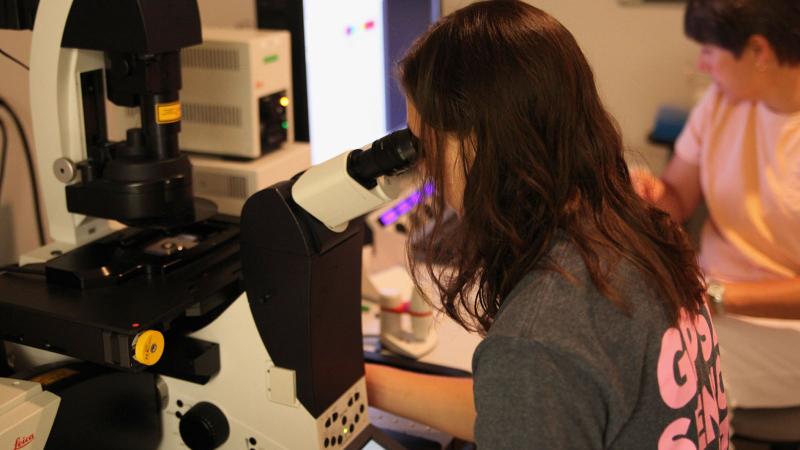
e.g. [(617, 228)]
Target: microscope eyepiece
[(388, 156)]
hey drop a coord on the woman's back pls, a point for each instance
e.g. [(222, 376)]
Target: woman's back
[(563, 367)]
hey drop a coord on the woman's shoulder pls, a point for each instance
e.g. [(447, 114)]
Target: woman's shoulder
[(714, 103), (565, 305)]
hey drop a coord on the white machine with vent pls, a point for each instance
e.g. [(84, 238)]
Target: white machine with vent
[(237, 93), (26, 414), (237, 115), (229, 183), (236, 98)]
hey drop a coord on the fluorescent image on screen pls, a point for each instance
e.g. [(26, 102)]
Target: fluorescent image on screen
[(405, 205), (345, 74)]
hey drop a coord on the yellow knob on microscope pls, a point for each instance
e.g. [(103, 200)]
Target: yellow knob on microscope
[(148, 346)]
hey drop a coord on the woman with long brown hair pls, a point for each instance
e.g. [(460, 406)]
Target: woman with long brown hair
[(591, 302)]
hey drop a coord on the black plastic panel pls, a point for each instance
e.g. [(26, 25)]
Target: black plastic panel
[(137, 26), (98, 325), (273, 121), (304, 287)]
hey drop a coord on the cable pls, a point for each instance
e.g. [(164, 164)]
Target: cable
[(25, 66), (413, 365), (29, 158), (3, 154), (30, 269)]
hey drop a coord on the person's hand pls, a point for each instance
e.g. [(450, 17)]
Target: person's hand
[(647, 185)]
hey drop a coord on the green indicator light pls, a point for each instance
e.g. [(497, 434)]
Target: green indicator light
[(270, 59), (285, 125)]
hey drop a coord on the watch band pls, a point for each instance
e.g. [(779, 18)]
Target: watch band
[(716, 293)]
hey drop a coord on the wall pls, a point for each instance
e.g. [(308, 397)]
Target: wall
[(17, 220), (640, 58), (228, 13), (17, 223)]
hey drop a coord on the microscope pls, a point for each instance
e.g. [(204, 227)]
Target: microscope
[(184, 328)]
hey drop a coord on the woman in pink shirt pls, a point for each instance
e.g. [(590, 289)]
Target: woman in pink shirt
[(740, 153)]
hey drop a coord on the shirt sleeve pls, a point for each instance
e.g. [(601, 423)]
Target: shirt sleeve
[(690, 142), (529, 396), (789, 145)]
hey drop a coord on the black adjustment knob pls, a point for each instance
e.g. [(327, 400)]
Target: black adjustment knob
[(204, 427)]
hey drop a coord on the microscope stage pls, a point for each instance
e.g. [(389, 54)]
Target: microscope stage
[(100, 324)]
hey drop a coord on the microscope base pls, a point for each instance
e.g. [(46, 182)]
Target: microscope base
[(259, 401)]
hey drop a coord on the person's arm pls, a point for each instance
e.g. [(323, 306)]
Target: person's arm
[(778, 299), (443, 403), (682, 191), (677, 192)]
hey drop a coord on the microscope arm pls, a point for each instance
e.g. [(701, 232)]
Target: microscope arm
[(82, 50), (301, 263)]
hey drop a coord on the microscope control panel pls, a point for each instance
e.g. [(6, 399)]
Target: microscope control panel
[(346, 418)]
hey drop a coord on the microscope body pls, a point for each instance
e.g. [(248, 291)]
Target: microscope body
[(301, 265), (83, 51), (280, 367), (292, 374)]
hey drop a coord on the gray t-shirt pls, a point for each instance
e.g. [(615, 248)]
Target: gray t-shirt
[(564, 368)]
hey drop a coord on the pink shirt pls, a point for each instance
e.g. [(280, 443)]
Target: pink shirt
[(749, 160)]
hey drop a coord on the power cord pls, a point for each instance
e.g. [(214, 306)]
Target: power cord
[(29, 159), (29, 269), (25, 66)]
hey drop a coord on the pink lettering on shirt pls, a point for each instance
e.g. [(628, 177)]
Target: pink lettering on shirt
[(676, 389), (672, 438), (688, 372), (708, 340)]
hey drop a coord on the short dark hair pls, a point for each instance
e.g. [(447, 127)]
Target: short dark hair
[(730, 23)]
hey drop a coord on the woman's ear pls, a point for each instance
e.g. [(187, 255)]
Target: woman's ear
[(762, 52)]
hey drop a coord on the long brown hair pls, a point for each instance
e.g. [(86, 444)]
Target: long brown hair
[(543, 161)]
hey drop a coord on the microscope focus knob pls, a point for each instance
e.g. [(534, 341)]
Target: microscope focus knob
[(204, 427)]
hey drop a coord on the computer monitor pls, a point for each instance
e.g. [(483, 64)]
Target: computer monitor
[(343, 57)]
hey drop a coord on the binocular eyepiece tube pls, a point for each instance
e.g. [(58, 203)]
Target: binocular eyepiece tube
[(390, 155)]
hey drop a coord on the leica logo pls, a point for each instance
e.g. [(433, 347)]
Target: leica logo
[(23, 441)]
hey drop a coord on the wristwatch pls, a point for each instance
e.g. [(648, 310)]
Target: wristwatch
[(716, 294)]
